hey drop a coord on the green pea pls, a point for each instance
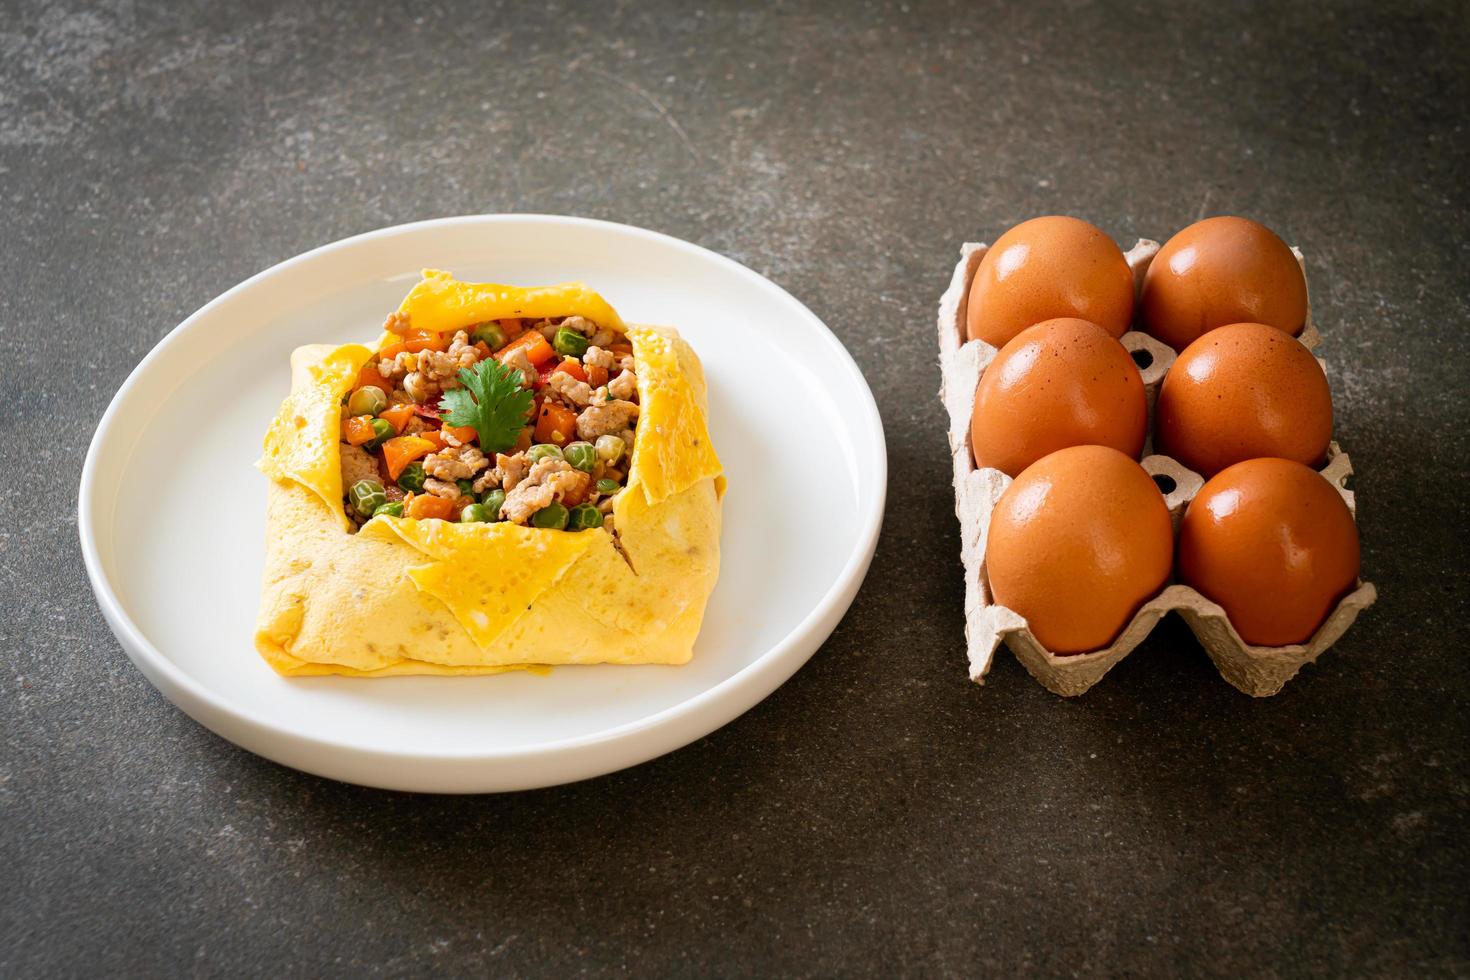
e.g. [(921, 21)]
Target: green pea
[(493, 501), (412, 477), (610, 449), (384, 430), (367, 496), (367, 400), (570, 342), (474, 514), (465, 487), (491, 334), (542, 451), (581, 455), (606, 487), (552, 516), (394, 509), (584, 516)]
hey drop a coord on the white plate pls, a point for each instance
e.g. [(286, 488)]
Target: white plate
[(172, 513)]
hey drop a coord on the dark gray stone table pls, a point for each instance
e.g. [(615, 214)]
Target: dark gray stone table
[(879, 814)]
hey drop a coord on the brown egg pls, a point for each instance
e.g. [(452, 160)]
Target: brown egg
[(1218, 271), (1243, 391), (1060, 383), (1274, 544), (1077, 543), (1046, 268)]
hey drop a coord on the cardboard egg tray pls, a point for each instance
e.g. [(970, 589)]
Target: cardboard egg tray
[(1257, 671)]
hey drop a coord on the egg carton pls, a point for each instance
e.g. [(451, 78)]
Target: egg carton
[(1257, 671)]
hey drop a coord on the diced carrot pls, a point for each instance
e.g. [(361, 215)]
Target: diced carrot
[(392, 351), (483, 348), (369, 376), (399, 451), (596, 376), (397, 416), (572, 366), (578, 492), (523, 441), (539, 350), (433, 437), (418, 340), (426, 506), (535, 346), (621, 349), (555, 424), (359, 430), (512, 326), (464, 433)]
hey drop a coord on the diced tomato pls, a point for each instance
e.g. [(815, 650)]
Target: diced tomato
[(429, 410), (426, 506), (555, 424), (356, 431), (397, 416)]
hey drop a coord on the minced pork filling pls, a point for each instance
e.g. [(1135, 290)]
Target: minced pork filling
[(510, 420)]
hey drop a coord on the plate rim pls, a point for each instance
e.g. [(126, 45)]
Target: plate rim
[(723, 701)]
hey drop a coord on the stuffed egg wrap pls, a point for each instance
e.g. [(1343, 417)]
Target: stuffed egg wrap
[(509, 477)]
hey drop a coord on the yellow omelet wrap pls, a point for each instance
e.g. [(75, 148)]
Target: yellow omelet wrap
[(404, 596)]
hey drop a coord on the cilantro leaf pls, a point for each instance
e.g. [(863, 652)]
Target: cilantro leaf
[(498, 408)]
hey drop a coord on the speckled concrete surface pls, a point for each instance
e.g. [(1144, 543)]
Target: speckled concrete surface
[(878, 814)]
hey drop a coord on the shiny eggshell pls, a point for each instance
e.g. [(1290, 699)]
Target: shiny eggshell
[(1063, 382), (1217, 271), (1045, 268), (1077, 543), (1273, 543), (1240, 392)]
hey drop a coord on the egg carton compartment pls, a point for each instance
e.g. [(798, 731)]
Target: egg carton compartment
[(1257, 671)]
